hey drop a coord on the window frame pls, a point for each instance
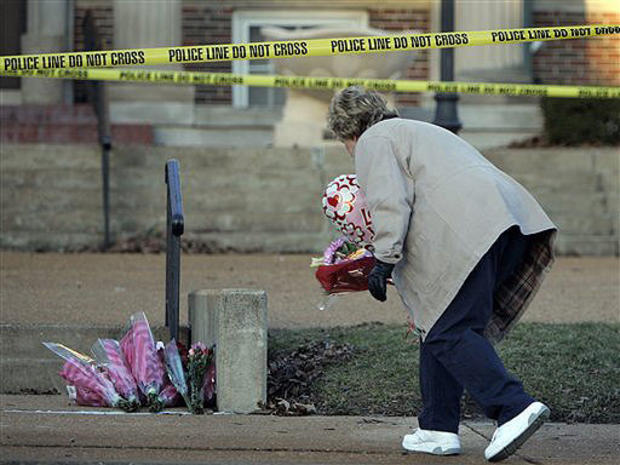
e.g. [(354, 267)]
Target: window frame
[(243, 20)]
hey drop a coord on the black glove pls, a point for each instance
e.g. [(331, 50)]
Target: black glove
[(377, 280)]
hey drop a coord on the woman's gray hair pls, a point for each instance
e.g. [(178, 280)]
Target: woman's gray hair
[(355, 109)]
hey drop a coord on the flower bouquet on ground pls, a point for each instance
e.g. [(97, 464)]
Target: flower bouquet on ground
[(199, 360), (208, 384), (135, 371), (108, 354), (175, 369), (88, 384), (139, 349)]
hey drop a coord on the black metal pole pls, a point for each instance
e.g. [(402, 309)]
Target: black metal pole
[(105, 139), (446, 114), (99, 98), (174, 231), (105, 172)]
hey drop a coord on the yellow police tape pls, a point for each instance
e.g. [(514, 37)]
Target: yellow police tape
[(298, 48), (325, 83)]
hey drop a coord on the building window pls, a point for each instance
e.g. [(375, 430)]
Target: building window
[(246, 27)]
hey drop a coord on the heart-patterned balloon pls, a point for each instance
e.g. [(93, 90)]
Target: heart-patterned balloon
[(345, 205)]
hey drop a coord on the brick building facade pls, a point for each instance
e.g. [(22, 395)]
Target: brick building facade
[(588, 61), (593, 61), (209, 23)]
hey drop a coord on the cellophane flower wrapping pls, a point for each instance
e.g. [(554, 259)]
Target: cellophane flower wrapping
[(108, 354), (81, 372), (169, 395), (344, 267), (85, 397), (198, 360), (138, 346), (175, 370), (209, 389)]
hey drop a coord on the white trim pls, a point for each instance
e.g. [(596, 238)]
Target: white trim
[(242, 20)]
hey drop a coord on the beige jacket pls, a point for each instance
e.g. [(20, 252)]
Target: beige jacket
[(437, 206)]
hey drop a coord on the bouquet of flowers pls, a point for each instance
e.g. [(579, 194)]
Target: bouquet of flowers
[(108, 354), (199, 359), (139, 349), (90, 384), (176, 370), (344, 267), (135, 371), (208, 385)]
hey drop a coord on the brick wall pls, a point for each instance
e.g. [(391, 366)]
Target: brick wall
[(63, 124), (208, 24), (391, 19), (593, 61)]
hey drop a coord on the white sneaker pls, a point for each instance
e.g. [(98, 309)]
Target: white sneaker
[(432, 442), (512, 434)]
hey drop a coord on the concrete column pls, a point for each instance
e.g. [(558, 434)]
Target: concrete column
[(145, 23), (47, 23), (484, 15), (202, 306), (238, 326)]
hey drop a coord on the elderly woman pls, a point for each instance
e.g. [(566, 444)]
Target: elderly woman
[(467, 248)]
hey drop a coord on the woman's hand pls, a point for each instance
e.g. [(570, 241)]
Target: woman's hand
[(377, 280)]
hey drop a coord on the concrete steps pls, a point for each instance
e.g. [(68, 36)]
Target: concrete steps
[(491, 122), (579, 193), (201, 125), (489, 125), (214, 136)]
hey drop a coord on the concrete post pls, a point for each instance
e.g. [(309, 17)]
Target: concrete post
[(202, 306), (144, 23), (238, 320), (47, 26)]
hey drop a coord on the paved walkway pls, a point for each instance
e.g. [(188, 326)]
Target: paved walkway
[(44, 429), (103, 289)]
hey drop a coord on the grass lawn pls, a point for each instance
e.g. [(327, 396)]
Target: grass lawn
[(573, 368)]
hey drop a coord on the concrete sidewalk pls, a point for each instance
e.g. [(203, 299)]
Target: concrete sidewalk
[(44, 429)]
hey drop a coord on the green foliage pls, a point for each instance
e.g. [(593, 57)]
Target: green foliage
[(574, 368), (570, 121)]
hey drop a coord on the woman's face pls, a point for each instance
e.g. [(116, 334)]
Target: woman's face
[(349, 144)]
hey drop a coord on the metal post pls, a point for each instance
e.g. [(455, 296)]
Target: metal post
[(105, 139), (446, 110), (174, 231), (528, 22), (99, 98)]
